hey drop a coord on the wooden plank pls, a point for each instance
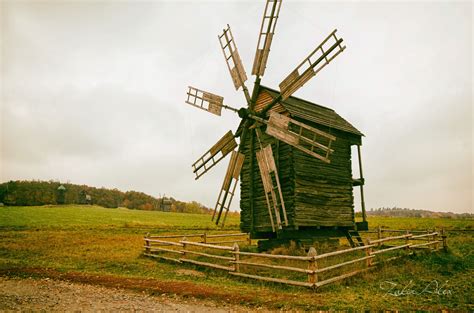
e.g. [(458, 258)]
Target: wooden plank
[(176, 236), (274, 280), (229, 241), (275, 256), (165, 242), (426, 244), (220, 257), (390, 249), (277, 267), (340, 277), (207, 264), (206, 245), (343, 264), (162, 249), (162, 257), (424, 235), (227, 235), (389, 238), (330, 254)]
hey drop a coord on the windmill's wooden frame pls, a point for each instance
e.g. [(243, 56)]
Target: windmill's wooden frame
[(294, 156)]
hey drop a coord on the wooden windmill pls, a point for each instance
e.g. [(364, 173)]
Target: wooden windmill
[(290, 184)]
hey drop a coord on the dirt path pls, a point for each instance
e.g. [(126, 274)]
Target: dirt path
[(61, 296)]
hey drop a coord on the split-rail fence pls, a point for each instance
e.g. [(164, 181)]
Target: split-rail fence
[(223, 252)]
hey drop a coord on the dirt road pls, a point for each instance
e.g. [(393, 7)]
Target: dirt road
[(62, 296)]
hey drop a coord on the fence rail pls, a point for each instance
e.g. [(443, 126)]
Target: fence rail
[(230, 257)]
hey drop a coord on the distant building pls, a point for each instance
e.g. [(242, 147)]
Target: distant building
[(61, 195), (84, 198), (165, 204)]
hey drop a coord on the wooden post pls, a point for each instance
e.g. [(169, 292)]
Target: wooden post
[(184, 247), (236, 258), (407, 240), (368, 252), (204, 238), (312, 266), (362, 201), (435, 238), (445, 243), (249, 240), (379, 234), (147, 243)]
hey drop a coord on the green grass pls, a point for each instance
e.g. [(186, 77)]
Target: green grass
[(108, 243)]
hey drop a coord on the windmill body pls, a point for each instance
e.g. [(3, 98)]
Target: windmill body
[(293, 156), (318, 196)]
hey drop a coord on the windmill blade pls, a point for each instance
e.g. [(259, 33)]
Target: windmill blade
[(224, 146), (310, 66), (267, 29), (269, 175), (232, 58), (301, 136), (228, 186), (205, 100)]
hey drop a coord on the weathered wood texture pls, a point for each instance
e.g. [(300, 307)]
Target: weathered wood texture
[(316, 194)]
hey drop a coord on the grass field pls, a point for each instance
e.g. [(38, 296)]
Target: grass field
[(103, 246)]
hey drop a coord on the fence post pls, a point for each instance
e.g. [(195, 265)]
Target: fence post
[(236, 257), (445, 243), (147, 243), (312, 266), (407, 240), (379, 234), (368, 252), (204, 237), (184, 246), (435, 238), (249, 240)]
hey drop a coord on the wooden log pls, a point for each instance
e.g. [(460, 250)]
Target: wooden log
[(340, 277), (389, 239), (274, 280), (168, 243), (312, 266), (175, 236), (424, 235), (334, 253), (165, 250), (328, 268), (228, 241), (275, 256), (425, 244), (206, 245), (390, 249), (227, 235)]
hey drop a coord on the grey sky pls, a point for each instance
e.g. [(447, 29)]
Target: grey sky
[(93, 92)]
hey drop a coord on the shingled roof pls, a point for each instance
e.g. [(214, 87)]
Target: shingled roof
[(314, 112)]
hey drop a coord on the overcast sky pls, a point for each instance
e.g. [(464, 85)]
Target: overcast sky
[(93, 92)]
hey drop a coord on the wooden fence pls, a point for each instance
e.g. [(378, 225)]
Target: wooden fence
[(311, 270)]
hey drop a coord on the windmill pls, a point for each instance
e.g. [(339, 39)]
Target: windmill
[(267, 120)]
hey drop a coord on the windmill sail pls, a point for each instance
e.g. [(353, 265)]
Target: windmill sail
[(301, 136), (316, 61), (267, 29), (273, 193), (232, 58), (224, 146), (228, 186), (205, 100)]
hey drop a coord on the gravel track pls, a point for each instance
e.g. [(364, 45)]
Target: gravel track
[(62, 296)]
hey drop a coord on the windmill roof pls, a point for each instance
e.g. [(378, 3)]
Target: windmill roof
[(314, 112)]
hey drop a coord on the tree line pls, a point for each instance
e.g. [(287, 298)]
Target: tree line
[(27, 193)]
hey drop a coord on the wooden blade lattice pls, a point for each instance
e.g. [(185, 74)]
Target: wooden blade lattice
[(228, 186), (301, 136), (267, 29), (325, 53), (205, 100), (271, 186), (224, 146), (232, 58)]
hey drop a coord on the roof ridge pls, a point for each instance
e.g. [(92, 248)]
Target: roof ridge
[(299, 99)]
